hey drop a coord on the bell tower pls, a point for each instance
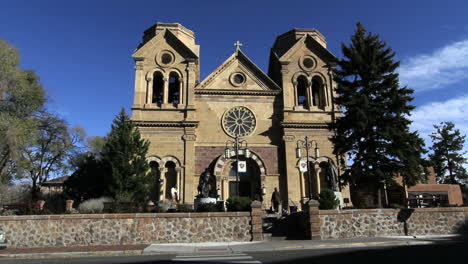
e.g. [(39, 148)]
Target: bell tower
[(166, 71), (301, 64)]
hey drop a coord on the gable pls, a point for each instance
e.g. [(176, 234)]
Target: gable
[(309, 43), (238, 73), (149, 48)]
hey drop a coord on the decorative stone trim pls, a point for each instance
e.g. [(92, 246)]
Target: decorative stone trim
[(218, 168), (237, 92), (166, 123), (170, 158), (189, 137), (305, 125)]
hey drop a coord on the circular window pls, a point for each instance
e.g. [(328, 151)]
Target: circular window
[(307, 63), (165, 58), (237, 79), (239, 122)]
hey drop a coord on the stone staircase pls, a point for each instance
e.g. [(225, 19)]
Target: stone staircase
[(277, 227), (271, 227)]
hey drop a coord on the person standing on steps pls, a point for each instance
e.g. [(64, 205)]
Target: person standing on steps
[(275, 201)]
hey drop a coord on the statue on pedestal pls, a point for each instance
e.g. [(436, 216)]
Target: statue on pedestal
[(204, 185), (331, 175)]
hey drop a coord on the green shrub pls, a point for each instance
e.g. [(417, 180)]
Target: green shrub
[(208, 207), (328, 200), (184, 208), (238, 203), (93, 206), (122, 207)]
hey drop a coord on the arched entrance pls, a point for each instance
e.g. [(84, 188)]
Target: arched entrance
[(250, 183)]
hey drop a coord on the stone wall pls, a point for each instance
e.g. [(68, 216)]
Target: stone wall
[(336, 224), (113, 229)]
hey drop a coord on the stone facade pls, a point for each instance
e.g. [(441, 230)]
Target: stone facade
[(184, 117), (126, 229), (390, 222)]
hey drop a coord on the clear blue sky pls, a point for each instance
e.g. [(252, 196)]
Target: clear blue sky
[(82, 49)]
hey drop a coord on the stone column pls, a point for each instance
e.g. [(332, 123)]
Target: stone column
[(317, 179), (181, 93), (162, 184), (139, 98), (292, 173), (256, 221), (313, 220), (69, 206), (189, 167), (190, 84), (166, 91), (310, 96), (149, 93), (179, 184)]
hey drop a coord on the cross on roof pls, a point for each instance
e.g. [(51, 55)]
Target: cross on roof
[(238, 44)]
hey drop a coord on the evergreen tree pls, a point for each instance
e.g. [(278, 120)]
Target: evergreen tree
[(125, 152), (448, 155), (373, 130)]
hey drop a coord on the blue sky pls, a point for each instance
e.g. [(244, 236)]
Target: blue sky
[(82, 49)]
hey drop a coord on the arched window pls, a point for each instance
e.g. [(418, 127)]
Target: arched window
[(158, 88), (318, 95), (301, 91), (174, 89), (171, 178)]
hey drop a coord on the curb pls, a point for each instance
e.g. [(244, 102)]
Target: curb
[(71, 254)]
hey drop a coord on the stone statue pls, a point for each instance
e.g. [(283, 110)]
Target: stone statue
[(331, 175), (204, 185)]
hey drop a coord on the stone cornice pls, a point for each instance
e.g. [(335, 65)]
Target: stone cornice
[(237, 92), (166, 123), (305, 125)]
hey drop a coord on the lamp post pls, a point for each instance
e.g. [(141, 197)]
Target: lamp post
[(307, 144), (236, 145)]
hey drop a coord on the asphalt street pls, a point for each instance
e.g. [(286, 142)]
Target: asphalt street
[(456, 252)]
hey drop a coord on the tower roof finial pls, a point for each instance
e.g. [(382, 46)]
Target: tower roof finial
[(238, 44)]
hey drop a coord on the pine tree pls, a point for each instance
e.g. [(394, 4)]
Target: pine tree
[(448, 155), (125, 152), (373, 130)]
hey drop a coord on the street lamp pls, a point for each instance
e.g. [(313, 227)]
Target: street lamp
[(236, 146), (307, 144)]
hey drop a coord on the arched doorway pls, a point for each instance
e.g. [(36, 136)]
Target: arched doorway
[(224, 171), (249, 181)]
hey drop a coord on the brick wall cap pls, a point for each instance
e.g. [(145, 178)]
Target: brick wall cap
[(256, 204), (313, 203)]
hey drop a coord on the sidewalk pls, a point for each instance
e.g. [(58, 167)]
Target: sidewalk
[(184, 248), (221, 247)]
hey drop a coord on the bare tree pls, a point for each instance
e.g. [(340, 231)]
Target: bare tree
[(50, 151)]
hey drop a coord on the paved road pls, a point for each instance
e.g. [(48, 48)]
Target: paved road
[(440, 254)]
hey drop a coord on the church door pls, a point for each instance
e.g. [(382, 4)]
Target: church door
[(249, 182)]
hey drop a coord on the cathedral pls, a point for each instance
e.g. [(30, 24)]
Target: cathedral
[(248, 131)]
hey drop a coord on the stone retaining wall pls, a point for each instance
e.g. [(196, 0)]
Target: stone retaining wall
[(389, 222), (113, 229)]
